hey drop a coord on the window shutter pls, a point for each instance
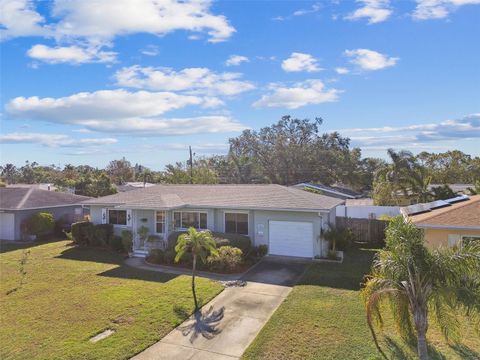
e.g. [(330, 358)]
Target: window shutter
[(104, 215), (129, 217)]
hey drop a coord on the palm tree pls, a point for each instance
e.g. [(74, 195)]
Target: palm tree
[(416, 282), (200, 244)]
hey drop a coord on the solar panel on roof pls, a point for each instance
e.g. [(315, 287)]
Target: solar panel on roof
[(457, 199), (438, 204), (417, 209)]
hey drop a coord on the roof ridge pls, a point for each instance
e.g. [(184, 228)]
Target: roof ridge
[(25, 198), (471, 200)]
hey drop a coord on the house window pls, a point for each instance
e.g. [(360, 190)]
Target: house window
[(160, 222), (466, 239), (117, 217), (186, 219), (236, 223)]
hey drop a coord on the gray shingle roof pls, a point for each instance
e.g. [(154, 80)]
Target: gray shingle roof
[(12, 198), (219, 196)]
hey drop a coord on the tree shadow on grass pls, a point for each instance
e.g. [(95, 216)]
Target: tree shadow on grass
[(396, 349), (203, 322), (465, 352), (7, 246)]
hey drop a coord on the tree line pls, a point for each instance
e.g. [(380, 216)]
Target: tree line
[(288, 152)]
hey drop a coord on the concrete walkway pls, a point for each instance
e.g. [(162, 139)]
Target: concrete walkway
[(231, 321)]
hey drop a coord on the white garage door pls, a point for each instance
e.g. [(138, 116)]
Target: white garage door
[(7, 226), (291, 238)]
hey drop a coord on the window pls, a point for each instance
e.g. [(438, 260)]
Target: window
[(160, 222), (186, 219), (466, 239), (117, 217), (236, 223)]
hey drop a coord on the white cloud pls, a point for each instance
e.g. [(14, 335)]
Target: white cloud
[(19, 18), (123, 112), (438, 9), (101, 21), (191, 80), (341, 70), (70, 54), (150, 50), (235, 60), (374, 10), (53, 140), (300, 94), (467, 127), (313, 9), (370, 60), (300, 62)]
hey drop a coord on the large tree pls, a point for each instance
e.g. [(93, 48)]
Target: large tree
[(418, 283)]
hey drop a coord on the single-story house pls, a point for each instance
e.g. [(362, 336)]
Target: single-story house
[(446, 223), (336, 191), (289, 221), (129, 186), (18, 204)]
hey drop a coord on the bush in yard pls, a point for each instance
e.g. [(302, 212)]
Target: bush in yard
[(339, 239), (154, 238), (116, 244), (103, 235), (228, 258), (169, 256), (127, 240), (259, 251), (156, 256), (234, 240), (41, 223), (83, 233)]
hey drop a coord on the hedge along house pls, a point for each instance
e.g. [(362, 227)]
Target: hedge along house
[(18, 204), (289, 221)]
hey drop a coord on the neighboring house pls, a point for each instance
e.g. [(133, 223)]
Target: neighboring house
[(364, 209), (43, 186), (456, 188), (448, 222), (129, 186), (339, 192), (19, 203), (289, 221)]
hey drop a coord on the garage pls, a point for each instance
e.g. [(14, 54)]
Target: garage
[(7, 226), (291, 238)]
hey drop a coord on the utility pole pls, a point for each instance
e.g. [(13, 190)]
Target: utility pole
[(191, 165)]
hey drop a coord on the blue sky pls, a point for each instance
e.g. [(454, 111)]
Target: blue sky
[(84, 82)]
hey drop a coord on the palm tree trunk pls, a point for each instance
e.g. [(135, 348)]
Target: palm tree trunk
[(194, 268), (421, 326)]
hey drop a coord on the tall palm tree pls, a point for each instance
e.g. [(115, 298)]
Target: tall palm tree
[(417, 282), (200, 244)]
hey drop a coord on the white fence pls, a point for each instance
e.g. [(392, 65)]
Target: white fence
[(366, 211)]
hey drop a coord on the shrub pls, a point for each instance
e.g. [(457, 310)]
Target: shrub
[(142, 232), (116, 244), (169, 256), (156, 256), (262, 250), (173, 237), (41, 223), (127, 240), (82, 233), (154, 238), (228, 258), (339, 239), (234, 240), (103, 235)]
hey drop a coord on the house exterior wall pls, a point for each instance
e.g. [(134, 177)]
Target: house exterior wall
[(66, 212), (258, 221), (435, 238)]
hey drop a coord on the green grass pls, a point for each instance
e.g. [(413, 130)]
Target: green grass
[(324, 318), (72, 294)]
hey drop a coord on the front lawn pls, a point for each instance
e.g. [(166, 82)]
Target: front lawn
[(72, 294), (324, 318)]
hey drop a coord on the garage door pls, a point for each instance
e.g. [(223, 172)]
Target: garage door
[(291, 238), (7, 226)]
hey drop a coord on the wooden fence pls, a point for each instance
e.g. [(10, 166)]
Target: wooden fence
[(364, 230)]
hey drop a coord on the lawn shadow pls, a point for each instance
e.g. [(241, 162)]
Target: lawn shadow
[(396, 348), (348, 275), (7, 246), (107, 256), (465, 352), (203, 322)]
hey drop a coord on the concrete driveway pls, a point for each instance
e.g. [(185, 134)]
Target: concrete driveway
[(230, 322)]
